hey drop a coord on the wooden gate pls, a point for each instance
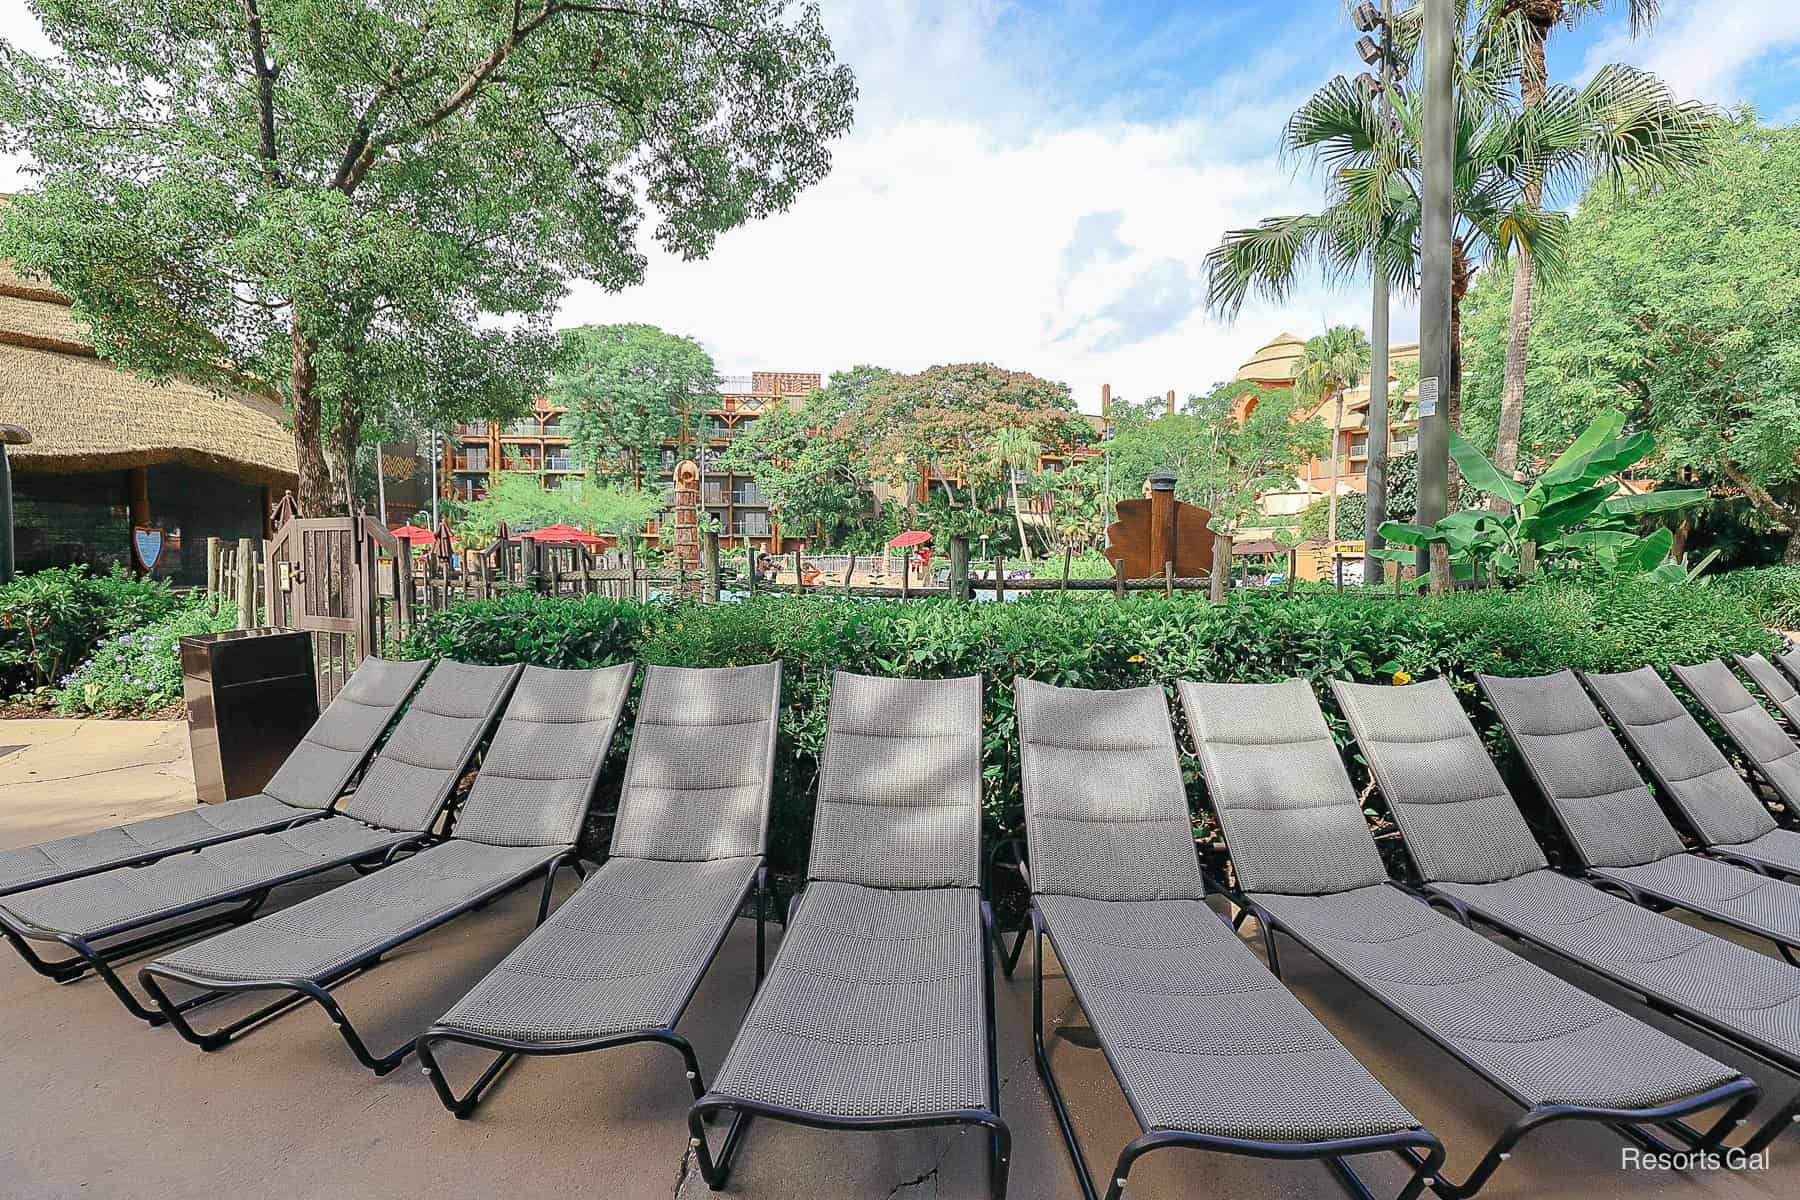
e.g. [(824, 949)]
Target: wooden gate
[(344, 580)]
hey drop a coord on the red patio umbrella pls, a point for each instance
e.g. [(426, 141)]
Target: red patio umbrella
[(912, 537), (421, 537), (563, 533)]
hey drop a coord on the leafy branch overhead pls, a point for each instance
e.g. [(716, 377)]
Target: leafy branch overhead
[(375, 205)]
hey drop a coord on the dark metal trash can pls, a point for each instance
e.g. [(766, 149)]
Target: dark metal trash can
[(250, 699)]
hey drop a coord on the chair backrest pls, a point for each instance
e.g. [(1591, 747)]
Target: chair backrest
[(900, 784), (539, 773), (1278, 785), (410, 781), (1757, 734), (1460, 823), (702, 764), (1790, 661), (1682, 758), (315, 773), (1775, 685), (1106, 814), (1596, 794)]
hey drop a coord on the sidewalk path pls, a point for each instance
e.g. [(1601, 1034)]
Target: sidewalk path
[(63, 776)]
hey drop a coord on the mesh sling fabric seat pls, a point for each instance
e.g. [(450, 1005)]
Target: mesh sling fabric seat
[(1778, 687), (305, 786), (1790, 662), (1737, 995), (1771, 753), (619, 960), (1559, 1052), (392, 811), (1713, 799), (520, 820), (1211, 1051), (878, 1011)]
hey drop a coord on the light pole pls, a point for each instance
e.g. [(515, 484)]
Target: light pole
[(1367, 20), (1434, 291)]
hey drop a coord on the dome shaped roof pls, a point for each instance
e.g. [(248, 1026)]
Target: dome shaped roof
[(1275, 362)]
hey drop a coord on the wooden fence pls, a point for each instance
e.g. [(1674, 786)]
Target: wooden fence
[(230, 585)]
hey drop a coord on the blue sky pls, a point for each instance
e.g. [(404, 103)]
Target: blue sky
[(1037, 182)]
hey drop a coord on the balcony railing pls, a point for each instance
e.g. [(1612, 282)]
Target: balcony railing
[(469, 462), (472, 428), (520, 464), (560, 462)]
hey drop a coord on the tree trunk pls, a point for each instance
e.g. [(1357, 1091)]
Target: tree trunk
[(340, 454), (1331, 511), (1019, 516), (1518, 338), (314, 499), (1790, 555), (1462, 275)]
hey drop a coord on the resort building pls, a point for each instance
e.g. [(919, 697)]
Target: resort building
[(111, 451), (539, 444), (1274, 365)]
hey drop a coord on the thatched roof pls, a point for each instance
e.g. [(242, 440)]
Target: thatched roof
[(86, 415), (1275, 362)]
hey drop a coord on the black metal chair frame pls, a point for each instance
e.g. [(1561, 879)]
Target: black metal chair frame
[(510, 1049), (88, 954), (716, 1170), (1784, 1117), (1417, 1147), (1742, 1094), (317, 989)]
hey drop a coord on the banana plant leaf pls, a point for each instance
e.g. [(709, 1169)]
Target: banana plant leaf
[(1410, 535), (1601, 430), (1651, 551), (1481, 473), (1658, 501)]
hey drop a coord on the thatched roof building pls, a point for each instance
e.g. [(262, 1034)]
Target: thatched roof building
[(87, 415)]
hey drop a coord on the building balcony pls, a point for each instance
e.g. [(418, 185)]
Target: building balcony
[(469, 462)]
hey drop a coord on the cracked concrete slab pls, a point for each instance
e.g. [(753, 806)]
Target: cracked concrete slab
[(99, 1105)]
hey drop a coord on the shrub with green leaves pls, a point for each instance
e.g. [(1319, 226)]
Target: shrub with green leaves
[(1773, 593), (138, 671), (1142, 640), (52, 619)]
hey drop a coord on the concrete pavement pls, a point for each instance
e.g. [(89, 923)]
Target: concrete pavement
[(93, 1103)]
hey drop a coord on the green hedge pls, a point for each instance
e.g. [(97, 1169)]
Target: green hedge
[(52, 620), (139, 670), (1773, 593), (1140, 640)]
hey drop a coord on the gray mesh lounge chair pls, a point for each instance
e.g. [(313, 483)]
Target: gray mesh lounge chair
[(305, 786), (1790, 661), (1773, 756), (392, 811), (1556, 1051), (1775, 685), (878, 1011), (1477, 857), (1634, 850), (520, 821), (621, 958), (1211, 1051)]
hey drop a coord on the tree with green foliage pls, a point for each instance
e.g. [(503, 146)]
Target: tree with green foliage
[(629, 389), (1680, 307), (346, 201), (1528, 23), (1015, 453), (1330, 365), (1221, 463), (519, 501), (1623, 124), (801, 462)]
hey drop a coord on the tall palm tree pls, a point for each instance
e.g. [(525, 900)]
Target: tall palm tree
[(1330, 365), (1015, 452), (1623, 123), (1528, 24)]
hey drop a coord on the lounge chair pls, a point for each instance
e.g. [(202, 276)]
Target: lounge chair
[(878, 1011), (304, 787), (1307, 865), (392, 811), (621, 958), (1634, 849), (1772, 755), (1775, 685), (1790, 661), (1211, 1051), (1452, 808), (521, 820)]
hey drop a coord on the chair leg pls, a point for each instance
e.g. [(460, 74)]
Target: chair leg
[(1042, 1057)]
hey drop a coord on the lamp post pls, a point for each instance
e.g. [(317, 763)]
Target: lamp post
[(10, 435), (1381, 54), (1434, 292)]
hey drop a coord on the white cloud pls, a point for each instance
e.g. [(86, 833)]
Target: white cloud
[(1704, 50)]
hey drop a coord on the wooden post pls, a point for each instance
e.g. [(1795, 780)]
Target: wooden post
[(213, 585), (1162, 518), (1169, 579), (1119, 580), (799, 579), (1528, 558), (905, 574), (1293, 566), (1068, 557), (709, 566), (246, 583), (750, 556), (1221, 574), (959, 568), (849, 570), (999, 580), (1440, 569)]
